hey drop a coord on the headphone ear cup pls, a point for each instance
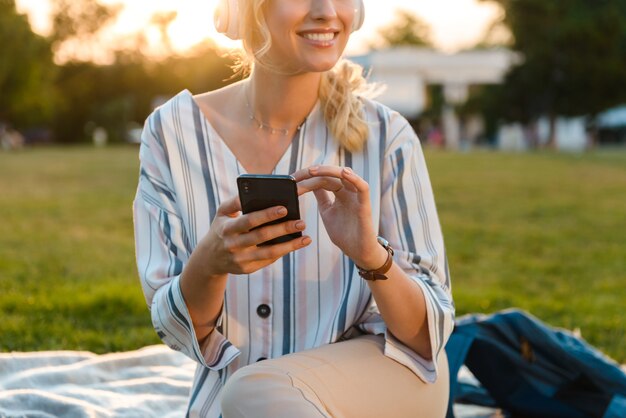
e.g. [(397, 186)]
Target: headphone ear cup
[(359, 15), (226, 18)]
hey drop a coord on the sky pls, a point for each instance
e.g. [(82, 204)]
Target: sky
[(455, 24)]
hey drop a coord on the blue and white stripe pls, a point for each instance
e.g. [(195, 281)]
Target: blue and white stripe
[(315, 295)]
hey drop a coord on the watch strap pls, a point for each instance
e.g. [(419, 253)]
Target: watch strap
[(379, 273)]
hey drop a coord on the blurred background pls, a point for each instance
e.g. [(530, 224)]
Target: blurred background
[(520, 105)]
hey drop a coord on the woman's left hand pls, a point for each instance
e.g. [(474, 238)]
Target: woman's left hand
[(347, 215)]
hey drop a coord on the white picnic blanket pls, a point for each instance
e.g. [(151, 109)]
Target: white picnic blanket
[(151, 382)]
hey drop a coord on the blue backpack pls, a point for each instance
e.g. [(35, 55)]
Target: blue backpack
[(529, 369)]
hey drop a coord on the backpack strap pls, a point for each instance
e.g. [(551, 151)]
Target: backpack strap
[(616, 407), (457, 348)]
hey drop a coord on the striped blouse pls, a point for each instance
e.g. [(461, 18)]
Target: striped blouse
[(308, 298)]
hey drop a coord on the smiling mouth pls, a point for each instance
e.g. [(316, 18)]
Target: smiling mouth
[(319, 37)]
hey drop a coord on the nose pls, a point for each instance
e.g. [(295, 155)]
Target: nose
[(323, 9)]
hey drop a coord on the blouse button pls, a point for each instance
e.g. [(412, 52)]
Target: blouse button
[(263, 311)]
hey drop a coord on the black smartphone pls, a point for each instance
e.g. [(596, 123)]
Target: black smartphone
[(257, 192)]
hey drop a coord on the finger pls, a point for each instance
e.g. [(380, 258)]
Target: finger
[(354, 182), (269, 232), (327, 183), (274, 252), (340, 173), (347, 187), (323, 199), (302, 174), (349, 176), (251, 220), (317, 171), (230, 206), (325, 170)]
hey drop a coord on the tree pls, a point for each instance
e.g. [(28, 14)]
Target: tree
[(26, 70), (75, 23), (73, 96), (126, 88), (162, 21), (407, 29), (574, 55)]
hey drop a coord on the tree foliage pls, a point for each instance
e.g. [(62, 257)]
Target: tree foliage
[(81, 19), (406, 30), (26, 70), (76, 26), (73, 97), (163, 20), (574, 55), (125, 90)]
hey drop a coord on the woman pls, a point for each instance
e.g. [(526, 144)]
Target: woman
[(335, 342)]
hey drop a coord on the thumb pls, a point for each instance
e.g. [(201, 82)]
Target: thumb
[(230, 207)]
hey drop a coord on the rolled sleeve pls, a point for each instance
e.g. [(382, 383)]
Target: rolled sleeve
[(409, 221), (440, 317), (162, 249), (173, 324)]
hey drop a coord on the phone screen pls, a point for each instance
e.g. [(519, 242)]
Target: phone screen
[(258, 192)]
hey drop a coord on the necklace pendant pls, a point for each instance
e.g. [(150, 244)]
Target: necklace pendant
[(261, 126)]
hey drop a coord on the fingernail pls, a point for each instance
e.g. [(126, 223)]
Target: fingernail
[(347, 170), (314, 168), (300, 225), (281, 211), (306, 241)]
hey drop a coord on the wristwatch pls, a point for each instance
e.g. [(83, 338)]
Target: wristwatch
[(379, 273)]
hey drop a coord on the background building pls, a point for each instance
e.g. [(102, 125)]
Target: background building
[(407, 73)]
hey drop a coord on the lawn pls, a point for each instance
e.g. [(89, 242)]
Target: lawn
[(542, 232)]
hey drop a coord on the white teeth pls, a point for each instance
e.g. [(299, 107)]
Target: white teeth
[(320, 36)]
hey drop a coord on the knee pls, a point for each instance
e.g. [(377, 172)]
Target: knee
[(244, 389), (236, 389)]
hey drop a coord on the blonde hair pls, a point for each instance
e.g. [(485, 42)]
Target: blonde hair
[(341, 88)]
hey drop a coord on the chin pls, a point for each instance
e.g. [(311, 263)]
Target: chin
[(321, 64), (320, 68)]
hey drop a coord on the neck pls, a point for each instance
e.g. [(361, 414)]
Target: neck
[(282, 101)]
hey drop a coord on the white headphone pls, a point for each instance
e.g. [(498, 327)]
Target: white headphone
[(226, 17)]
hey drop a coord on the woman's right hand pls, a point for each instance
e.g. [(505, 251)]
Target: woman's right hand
[(230, 246)]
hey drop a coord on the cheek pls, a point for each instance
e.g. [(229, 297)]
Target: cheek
[(280, 26), (345, 13), (284, 13)]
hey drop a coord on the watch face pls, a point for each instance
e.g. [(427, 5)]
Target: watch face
[(385, 244)]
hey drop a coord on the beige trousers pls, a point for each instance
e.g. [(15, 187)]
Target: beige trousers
[(350, 379)]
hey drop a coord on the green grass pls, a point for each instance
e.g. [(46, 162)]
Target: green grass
[(542, 232), (66, 251)]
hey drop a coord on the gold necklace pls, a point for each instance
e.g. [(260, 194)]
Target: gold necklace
[(264, 126)]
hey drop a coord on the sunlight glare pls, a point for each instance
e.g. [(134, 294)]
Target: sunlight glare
[(455, 24), (193, 23)]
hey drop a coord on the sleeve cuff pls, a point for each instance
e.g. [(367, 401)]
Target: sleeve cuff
[(174, 326), (396, 350), (440, 319)]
